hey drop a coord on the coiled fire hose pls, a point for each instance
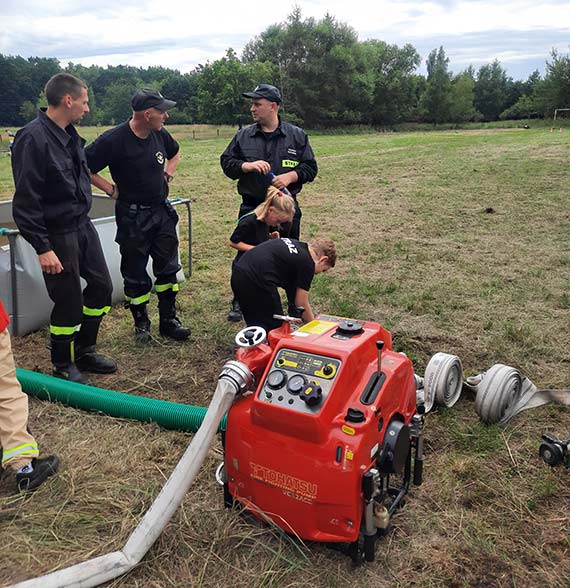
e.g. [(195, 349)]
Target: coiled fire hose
[(441, 383), (502, 392)]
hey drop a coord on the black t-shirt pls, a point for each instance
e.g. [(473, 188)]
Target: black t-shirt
[(284, 263), (249, 230), (136, 165)]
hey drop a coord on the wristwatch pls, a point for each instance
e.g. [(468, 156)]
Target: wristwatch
[(168, 177)]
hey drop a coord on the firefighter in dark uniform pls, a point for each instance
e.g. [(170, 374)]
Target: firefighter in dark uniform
[(142, 157), (279, 263), (269, 145), (50, 208)]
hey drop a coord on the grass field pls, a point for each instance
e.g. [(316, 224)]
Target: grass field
[(455, 241)]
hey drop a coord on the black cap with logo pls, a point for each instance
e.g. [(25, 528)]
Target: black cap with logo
[(151, 98), (266, 91)]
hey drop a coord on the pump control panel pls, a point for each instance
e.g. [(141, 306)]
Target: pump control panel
[(299, 381)]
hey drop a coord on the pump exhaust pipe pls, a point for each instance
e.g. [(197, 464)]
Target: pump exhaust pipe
[(234, 379)]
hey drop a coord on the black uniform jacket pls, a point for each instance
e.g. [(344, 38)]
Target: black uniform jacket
[(53, 190), (287, 149)]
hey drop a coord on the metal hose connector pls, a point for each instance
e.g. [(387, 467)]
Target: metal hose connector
[(238, 374)]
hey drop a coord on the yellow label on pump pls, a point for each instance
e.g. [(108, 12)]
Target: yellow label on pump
[(348, 430), (316, 327)]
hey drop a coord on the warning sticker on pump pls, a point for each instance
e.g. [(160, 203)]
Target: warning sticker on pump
[(317, 327)]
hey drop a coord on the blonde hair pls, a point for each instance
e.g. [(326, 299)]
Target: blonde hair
[(325, 247), (282, 204)]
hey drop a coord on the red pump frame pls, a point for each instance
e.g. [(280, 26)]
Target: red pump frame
[(304, 471)]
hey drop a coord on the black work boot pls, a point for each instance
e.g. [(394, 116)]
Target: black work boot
[(142, 323), (235, 315), (42, 469), (170, 325), (62, 358), (86, 357)]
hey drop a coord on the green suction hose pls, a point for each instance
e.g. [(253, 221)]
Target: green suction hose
[(182, 417)]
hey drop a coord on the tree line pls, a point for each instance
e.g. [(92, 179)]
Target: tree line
[(327, 76)]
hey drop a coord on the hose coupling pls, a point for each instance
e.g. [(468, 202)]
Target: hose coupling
[(238, 374)]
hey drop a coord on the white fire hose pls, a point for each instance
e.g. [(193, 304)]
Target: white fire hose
[(441, 383), (502, 392), (234, 378)]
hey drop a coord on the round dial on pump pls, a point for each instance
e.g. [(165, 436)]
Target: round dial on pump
[(276, 379), (296, 383)]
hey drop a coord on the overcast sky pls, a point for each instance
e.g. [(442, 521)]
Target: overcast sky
[(183, 33)]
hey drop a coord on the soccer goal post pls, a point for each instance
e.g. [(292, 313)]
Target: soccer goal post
[(561, 113)]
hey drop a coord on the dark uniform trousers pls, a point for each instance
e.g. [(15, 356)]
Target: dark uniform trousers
[(144, 231), (77, 312), (257, 304)]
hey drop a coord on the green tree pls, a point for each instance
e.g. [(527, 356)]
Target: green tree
[(118, 74), (41, 70), (492, 90), (317, 65), (532, 82), (554, 92), (461, 108), (22, 82), (28, 111), (220, 88), (525, 107), (436, 99), (529, 103), (116, 103), (183, 89), (393, 84)]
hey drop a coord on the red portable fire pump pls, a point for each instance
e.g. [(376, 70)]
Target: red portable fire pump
[(324, 445)]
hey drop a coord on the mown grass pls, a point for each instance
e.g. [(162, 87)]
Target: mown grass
[(457, 242)]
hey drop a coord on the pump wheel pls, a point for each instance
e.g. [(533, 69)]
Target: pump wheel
[(442, 380), (250, 336)]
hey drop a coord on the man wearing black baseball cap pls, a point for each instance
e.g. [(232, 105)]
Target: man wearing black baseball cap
[(266, 91), (268, 145), (151, 98), (142, 157)]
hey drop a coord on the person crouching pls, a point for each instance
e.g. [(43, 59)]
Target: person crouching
[(279, 263)]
